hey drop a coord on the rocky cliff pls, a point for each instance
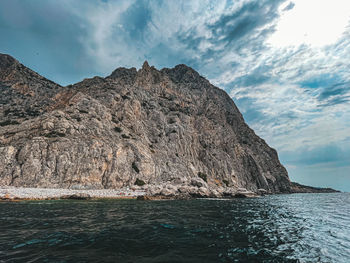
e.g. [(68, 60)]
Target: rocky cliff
[(162, 129)]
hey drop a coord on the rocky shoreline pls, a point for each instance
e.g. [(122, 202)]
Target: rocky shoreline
[(196, 188), (20, 193)]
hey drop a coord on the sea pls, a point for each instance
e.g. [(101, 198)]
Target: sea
[(276, 228)]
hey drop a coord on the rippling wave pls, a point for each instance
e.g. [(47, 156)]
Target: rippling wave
[(280, 228)]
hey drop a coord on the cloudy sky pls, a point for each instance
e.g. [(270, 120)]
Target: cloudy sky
[(286, 64)]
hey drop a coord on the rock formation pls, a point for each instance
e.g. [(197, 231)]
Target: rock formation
[(168, 130)]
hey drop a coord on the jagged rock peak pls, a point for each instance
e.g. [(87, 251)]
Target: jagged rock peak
[(12, 71), (184, 74), (7, 61), (129, 75), (123, 73), (180, 73), (145, 65), (180, 68), (147, 69)]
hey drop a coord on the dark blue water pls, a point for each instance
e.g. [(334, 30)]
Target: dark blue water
[(284, 228)]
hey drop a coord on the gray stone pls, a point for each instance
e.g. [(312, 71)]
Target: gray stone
[(262, 191), (243, 194), (198, 182), (184, 189), (203, 192), (153, 190), (167, 192), (229, 192)]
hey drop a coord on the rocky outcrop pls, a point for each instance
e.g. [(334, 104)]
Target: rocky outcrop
[(299, 188), (80, 196), (162, 127)]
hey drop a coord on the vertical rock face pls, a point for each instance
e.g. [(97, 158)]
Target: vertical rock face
[(168, 125)]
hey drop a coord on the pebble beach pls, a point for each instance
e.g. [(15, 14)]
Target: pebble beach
[(10, 193)]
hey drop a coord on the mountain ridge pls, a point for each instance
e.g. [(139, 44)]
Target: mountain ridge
[(170, 129)]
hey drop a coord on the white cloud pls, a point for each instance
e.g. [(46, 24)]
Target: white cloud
[(312, 22), (292, 117), (111, 43)]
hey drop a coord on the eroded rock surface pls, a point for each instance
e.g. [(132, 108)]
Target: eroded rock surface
[(163, 127)]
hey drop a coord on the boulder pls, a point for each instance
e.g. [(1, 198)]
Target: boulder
[(144, 198), (7, 197), (78, 196), (229, 192), (244, 194), (214, 193), (184, 189), (203, 192), (168, 192), (199, 182), (262, 191), (153, 190)]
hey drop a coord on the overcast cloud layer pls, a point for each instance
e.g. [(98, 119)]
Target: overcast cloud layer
[(290, 78)]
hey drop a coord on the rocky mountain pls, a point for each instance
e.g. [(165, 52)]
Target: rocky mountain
[(168, 131)]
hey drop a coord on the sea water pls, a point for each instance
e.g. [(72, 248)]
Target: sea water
[(278, 228)]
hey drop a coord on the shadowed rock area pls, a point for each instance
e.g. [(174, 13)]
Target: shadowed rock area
[(169, 132)]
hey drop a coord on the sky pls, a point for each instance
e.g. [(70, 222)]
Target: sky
[(286, 64)]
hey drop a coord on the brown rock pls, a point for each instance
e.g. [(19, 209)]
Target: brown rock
[(144, 198), (79, 196), (203, 192)]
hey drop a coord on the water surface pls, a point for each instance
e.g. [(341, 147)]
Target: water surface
[(280, 228)]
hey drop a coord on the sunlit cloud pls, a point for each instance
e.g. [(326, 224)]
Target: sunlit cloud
[(311, 22)]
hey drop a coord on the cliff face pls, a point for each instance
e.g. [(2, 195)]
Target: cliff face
[(169, 126)]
